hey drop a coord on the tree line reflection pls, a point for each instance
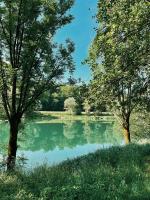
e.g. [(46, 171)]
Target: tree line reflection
[(48, 136)]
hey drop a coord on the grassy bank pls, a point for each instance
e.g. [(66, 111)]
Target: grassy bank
[(47, 116), (117, 173)]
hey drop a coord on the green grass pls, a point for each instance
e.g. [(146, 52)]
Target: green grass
[(118, 173), (47, 116)]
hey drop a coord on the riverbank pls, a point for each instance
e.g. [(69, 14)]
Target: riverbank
[(48, 116), (116, 173)]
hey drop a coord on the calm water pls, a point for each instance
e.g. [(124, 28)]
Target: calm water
[(54, 142)]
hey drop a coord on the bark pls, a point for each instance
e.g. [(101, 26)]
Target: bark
[(126, 127), (127, 135), (12, 146)]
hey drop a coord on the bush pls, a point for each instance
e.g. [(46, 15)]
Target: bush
[(71, 106), (86, 107)]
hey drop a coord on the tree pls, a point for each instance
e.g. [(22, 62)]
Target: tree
[(54, 100), (119, 57), (30, 60), (80, 94), (70, 105), (86, 106)]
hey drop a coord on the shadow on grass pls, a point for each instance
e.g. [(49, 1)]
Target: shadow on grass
[(115, 173)]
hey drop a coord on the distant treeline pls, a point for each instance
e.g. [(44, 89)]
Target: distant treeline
[(54, 100)]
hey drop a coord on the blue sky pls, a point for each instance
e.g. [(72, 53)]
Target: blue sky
[(81, 32)]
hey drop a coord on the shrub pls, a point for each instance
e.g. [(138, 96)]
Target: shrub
[(86, 107), (70, 105)]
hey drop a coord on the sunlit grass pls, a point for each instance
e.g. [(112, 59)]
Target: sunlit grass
[(116, 173), (52, 117)]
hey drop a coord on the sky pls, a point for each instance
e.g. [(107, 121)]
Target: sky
[(81, 32)]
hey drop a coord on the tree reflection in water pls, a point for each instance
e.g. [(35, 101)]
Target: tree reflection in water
[(48, 136)]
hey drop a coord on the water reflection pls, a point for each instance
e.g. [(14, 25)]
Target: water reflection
[(61, 140), (69, 134)]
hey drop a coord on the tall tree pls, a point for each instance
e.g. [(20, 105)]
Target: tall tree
[(119, 57), (30, 60)]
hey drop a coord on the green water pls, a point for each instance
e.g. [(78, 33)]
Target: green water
[(57, 141)]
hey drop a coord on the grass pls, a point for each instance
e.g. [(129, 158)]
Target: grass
[(47, 116), (118, 173)]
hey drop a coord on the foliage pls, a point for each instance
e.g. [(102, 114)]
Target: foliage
[(119, 56), (54, 100), (31, 61), (27, 44), (70, 105), (140, 126), (2, 112), (116, 173), (86, 106)]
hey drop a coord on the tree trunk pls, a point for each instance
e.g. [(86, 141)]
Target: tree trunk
[(126, 127), (12, 146), (127, 135)]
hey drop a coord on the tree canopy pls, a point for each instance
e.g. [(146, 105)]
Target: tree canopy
[(119, 56), (30, 60)]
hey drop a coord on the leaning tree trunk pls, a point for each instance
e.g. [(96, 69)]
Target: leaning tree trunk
[(126, 127), (12, 146)]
